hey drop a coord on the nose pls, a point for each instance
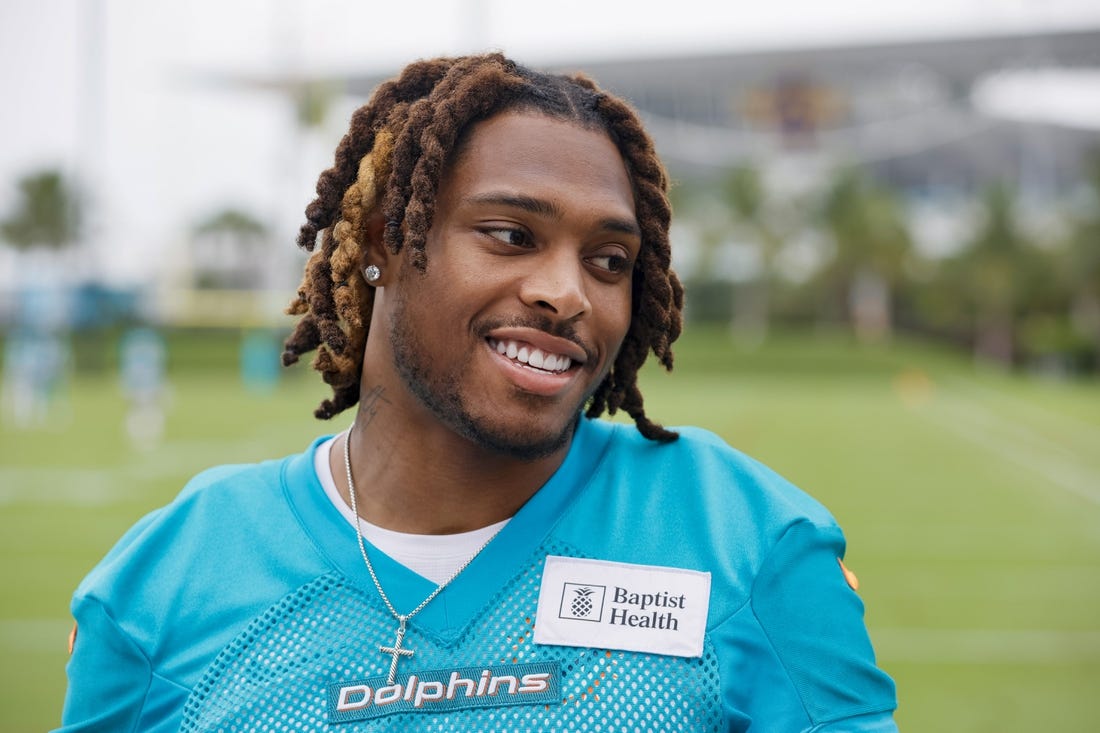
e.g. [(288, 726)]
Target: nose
[(555, 285)]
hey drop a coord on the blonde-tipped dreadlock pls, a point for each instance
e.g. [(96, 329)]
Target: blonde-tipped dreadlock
[(389, 164), (340, 357)]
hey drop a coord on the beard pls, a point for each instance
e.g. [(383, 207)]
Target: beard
[(437, 384)]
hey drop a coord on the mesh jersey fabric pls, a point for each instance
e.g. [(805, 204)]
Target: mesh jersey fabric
[(236, 607)]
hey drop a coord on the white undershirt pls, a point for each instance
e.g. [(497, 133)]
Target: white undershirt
[(434, 556)]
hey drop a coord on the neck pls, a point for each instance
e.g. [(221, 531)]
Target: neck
[(432, 481)]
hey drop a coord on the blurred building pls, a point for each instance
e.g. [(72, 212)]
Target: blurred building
[(940, 113), (948, 113), (938, 120)]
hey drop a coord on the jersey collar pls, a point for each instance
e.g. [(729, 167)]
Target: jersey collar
[(509, 553)]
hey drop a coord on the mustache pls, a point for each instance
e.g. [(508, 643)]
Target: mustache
[(560, 329)]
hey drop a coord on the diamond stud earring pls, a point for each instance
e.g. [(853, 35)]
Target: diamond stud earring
[(372, 273)]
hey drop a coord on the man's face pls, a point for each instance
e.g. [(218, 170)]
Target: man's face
[(527, 295)]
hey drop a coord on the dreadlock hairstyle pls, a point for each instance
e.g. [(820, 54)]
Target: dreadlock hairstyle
[(391, 160)]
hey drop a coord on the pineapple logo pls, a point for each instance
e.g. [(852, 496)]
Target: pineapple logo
[(582, 602)]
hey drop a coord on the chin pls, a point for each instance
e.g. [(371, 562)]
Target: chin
[(528, 444), (523, 427)]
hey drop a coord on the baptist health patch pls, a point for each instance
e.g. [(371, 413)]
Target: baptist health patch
[(443, 690), (614, 605)]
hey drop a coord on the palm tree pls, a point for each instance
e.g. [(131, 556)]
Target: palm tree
[(994, 272), (748, 203), (47, 214), (872, 244), (44, 223), (42, 227), (1083, 271)]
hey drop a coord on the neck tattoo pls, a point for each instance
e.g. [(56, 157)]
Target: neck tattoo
[(396, 651)]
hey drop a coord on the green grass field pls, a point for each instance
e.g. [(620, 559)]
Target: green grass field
[(971, 502)]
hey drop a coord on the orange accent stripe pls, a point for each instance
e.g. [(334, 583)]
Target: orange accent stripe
[(72, 640), (849, 576)]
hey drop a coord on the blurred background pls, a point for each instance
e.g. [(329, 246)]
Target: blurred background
[(887, 216)]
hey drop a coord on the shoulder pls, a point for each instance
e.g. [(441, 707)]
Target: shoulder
[(701, 471), (693, 503), (204, 506), (182, 583), (222, 544), (779, 597)]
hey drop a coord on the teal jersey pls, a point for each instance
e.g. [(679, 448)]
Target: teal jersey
[(245, 605)]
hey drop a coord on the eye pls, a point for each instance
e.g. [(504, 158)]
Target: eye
[(614, 261), (510, 235)]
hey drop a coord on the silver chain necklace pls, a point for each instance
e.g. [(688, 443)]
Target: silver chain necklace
[(396, 651)]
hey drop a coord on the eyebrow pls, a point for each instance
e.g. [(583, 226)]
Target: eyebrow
[(542, 207)]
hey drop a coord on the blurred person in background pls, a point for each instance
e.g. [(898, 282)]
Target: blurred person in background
[(142, 373), (479, 550), (37, 359), (260, 361), (35, 367)]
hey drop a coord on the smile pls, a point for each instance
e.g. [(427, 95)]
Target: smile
[(528, 355)]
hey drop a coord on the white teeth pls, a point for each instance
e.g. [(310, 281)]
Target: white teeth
[(532, 357)]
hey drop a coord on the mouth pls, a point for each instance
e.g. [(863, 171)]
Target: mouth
[(529, 356)]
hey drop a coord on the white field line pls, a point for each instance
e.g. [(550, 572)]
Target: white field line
[(70, 486), (1018, 444), (985, 646), (1086, 434), (101, 486), (1067, 476), (1059, 430), (76, 486)]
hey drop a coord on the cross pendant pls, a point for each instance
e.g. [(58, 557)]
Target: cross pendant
[(396, 650)]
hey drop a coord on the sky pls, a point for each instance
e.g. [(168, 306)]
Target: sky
[(113, 91)]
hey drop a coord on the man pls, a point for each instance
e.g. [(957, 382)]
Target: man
[(473, 553)]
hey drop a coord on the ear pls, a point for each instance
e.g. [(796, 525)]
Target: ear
[(375, 252)]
